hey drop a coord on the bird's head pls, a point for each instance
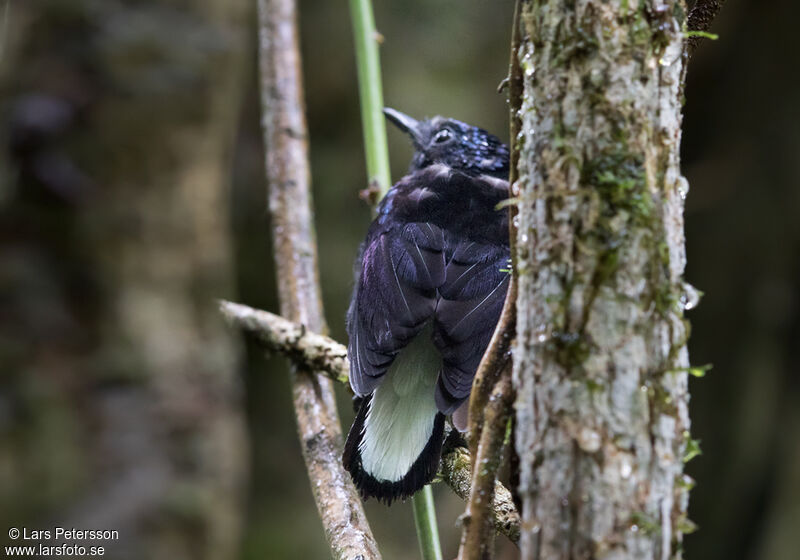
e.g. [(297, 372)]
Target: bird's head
[(462, 147)]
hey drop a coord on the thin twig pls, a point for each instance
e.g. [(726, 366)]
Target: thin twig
[(493, 362), (370, 91), (701, 16), (491, 395), (476, 540), (309, 349), (288, 176), (498, 350), (516, 87)]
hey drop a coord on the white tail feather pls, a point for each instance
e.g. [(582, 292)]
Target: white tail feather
[(400, 418)]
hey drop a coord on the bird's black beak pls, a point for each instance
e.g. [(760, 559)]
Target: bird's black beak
[(405, 123)]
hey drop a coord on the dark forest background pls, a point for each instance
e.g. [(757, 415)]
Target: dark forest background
[(132, 196)]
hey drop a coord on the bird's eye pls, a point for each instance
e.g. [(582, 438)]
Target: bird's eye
[(442, 136)]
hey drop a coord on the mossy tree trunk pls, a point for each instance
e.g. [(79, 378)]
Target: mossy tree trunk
[(601, 361), (118, 372)]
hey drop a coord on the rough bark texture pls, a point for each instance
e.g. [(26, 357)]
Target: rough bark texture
[(121, 405), (600, 361), (290, 206)]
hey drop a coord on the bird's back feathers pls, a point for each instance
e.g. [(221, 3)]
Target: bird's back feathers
[(436, 259)]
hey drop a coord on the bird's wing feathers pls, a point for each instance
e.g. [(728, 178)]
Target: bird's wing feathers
[(471, 300), (412, 273), (401, 268)]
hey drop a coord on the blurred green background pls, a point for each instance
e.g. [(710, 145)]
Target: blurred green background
[(132, 195)]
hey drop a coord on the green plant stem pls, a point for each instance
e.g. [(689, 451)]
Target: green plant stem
[(425, 521), (377, 155), (371, 93)]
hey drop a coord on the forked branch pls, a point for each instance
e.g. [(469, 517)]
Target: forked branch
[(325, 355)]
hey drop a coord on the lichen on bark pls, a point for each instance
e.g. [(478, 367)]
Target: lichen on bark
[(600, 358)]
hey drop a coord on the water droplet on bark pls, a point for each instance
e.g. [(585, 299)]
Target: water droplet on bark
[(690, 296)]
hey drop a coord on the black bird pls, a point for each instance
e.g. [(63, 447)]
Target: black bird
[(431, 280)]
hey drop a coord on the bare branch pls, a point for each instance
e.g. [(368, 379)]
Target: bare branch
[(497, 353), (323, 354), (288, 176), (315, 351), (455, 470), (701, 16), (491, 396), (476, 540), (492, 364)]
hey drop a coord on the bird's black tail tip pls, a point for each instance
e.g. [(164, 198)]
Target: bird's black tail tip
[(421, 472)]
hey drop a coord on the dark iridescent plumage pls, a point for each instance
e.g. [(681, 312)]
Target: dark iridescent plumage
[(435, 259)]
